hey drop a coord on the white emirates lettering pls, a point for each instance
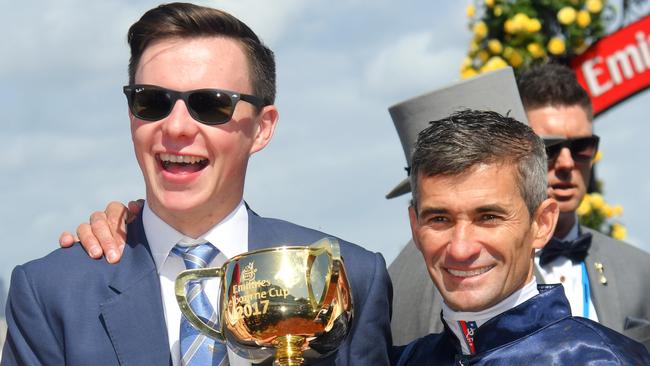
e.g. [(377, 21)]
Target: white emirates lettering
[(623, 64)]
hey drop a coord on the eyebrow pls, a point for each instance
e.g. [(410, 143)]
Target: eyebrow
[(482, 209), (433, 211), (491, 208)]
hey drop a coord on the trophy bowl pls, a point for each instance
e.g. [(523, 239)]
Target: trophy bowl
[(287, 302)]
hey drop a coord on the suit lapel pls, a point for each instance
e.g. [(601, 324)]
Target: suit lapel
[(255, 236), (261, 234), (604, 296), (134, 317)]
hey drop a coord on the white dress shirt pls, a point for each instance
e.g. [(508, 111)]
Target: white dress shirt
[(563, 270), (230, 236)]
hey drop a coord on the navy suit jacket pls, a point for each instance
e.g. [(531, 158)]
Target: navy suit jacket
[(67, 309), (539, 331)]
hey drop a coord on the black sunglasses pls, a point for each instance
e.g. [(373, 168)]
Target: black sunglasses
[(209, 106), (582, 149)]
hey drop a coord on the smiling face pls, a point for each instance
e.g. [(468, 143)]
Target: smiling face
[(567, 178), (476, 234), (194, 173)]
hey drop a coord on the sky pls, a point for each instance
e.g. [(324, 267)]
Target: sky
[(67, 152)]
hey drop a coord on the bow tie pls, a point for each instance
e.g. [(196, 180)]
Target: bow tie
[(575, 250)]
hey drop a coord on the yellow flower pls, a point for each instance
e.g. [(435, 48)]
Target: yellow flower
[(583, 18), (596, 199), (611, 211), (495, 46), (520, 22), (618, 231), (498, 10), (489, 3), (513, 56), (584, 208), (515, 59), (594, 6), (467, 62), (556, 46), (535, 49), (473, 47), (533, 25), (470, 10), (480, 30), (495, 62), (607, 210), (566, 15), (468, 73), (509, 26), (598, 156), (617, 210)]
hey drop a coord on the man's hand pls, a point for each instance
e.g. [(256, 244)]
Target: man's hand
[(106, 232)]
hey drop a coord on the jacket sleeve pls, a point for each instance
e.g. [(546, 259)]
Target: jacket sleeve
[(31, 339), (370, 338)]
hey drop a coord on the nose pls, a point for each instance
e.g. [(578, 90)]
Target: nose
[(180, 124), (462, 246), (564, 160)]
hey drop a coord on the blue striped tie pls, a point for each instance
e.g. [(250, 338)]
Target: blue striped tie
[(197, 349)]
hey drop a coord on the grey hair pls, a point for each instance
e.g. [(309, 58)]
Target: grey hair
[(453, 145)]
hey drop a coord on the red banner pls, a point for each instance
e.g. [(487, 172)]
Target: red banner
[(617, 66)]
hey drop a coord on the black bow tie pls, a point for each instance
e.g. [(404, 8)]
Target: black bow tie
[(575, 250)]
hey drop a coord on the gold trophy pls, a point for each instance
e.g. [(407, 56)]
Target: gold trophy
[(285, 302)]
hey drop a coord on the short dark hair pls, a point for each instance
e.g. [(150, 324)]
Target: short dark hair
[(454, 145), (183, 20), (552, 85)]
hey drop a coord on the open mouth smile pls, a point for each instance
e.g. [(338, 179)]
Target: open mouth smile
[(182, 164)]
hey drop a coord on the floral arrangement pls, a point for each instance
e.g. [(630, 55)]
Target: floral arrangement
[(595, 213), (521, 33)]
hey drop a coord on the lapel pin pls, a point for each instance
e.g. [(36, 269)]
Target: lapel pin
[(601, 273)]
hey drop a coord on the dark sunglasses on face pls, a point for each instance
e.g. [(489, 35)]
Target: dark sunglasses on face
[(208, 106), (583, 149)]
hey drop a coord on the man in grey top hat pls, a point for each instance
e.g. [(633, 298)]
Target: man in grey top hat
[(618, 302)]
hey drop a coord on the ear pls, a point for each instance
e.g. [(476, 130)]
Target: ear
[(266, 122), (413, 218), (544, 222)]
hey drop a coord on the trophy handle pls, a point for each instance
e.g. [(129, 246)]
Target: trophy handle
[(331, 247), (181, 281)]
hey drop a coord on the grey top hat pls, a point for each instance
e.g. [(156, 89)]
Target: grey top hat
[(495, 91)]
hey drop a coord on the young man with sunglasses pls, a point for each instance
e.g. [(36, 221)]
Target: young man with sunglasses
[(604, 279), (200, 97)]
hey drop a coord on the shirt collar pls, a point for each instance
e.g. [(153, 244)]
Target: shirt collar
[(516, 298), (230, 235), (463, 325)]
